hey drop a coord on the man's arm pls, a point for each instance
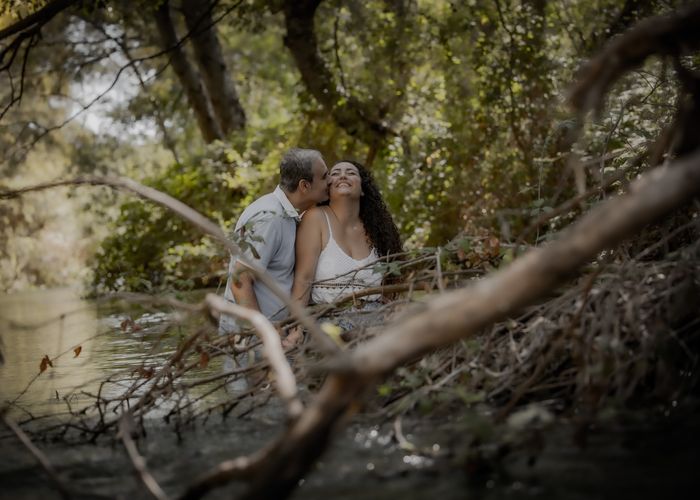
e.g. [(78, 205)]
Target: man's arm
[(262, 236), (242, 287)]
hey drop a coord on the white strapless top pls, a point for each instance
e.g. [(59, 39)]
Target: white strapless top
[(338, 274)]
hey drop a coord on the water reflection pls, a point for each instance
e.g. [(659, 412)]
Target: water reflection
[(54, 323), (51, 323)]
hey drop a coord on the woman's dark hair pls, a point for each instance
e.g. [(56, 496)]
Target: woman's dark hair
[(379, 225)]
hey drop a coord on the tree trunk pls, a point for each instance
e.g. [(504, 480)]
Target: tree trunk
[(210, 59), (349, 113), (188, 77)]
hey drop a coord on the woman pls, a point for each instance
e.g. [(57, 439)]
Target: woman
[(336, 242)]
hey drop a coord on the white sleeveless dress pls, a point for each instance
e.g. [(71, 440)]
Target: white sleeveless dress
[(338, 274)]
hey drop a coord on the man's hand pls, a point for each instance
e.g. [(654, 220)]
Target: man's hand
[(242, 287), (294, 337)]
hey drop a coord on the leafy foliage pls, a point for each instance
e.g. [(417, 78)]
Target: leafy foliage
[(471, 92), (151, 247)]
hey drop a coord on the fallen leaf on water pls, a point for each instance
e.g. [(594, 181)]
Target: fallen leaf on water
[(76, 351), (203, 359), (144, 372), (45, 363)]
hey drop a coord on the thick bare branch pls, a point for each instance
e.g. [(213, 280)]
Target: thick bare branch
[(38, 18), (465, 312), (672, 34)]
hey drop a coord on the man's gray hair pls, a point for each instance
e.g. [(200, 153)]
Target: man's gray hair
[(297, 164)]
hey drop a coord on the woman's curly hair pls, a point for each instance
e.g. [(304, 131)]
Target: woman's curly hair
[(382, 232)]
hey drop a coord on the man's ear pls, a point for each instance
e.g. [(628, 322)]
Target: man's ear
[(303, 185)]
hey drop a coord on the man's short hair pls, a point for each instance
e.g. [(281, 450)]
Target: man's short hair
[(297, 164)]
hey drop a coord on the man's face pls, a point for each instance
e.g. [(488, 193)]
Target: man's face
[(318, 191)]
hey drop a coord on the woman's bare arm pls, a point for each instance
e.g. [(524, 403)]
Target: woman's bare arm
[(309, 244)]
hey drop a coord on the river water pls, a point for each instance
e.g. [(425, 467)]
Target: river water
[(623, 457), (84, 341)]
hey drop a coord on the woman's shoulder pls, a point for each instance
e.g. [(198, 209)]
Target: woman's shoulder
[(314, 215)]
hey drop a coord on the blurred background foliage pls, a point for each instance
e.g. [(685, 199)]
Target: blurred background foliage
[(466, 129)]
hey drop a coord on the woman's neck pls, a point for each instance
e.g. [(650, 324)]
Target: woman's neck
[(346, 210)]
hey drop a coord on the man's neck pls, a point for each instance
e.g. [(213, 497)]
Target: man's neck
[(297, 201)]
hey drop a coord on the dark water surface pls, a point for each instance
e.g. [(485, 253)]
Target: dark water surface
[(629, 457)]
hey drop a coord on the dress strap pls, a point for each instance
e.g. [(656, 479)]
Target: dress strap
[(328, 221)]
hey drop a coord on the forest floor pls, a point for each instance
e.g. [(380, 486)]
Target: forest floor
[(633, 455)]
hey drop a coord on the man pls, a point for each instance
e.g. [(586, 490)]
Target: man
[(267, 231)]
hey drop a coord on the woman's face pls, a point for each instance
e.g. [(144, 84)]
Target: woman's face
[(345, 180)]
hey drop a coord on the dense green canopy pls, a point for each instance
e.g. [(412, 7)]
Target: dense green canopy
[(458, 107)]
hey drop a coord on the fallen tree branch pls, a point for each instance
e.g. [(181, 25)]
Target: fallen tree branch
[(463, 313)]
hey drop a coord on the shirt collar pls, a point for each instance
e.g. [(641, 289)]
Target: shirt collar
[(289, 209)]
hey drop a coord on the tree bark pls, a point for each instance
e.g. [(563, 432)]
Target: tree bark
[(209, 56), (188, 77), (40, 18), (347, 111)]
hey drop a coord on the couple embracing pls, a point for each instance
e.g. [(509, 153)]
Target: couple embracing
[(314, 235)]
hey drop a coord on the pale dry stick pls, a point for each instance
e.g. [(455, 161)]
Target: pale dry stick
[(40, 457), (272, 347), (438, 271), (327, 345), (138, 461), (404, 443)]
